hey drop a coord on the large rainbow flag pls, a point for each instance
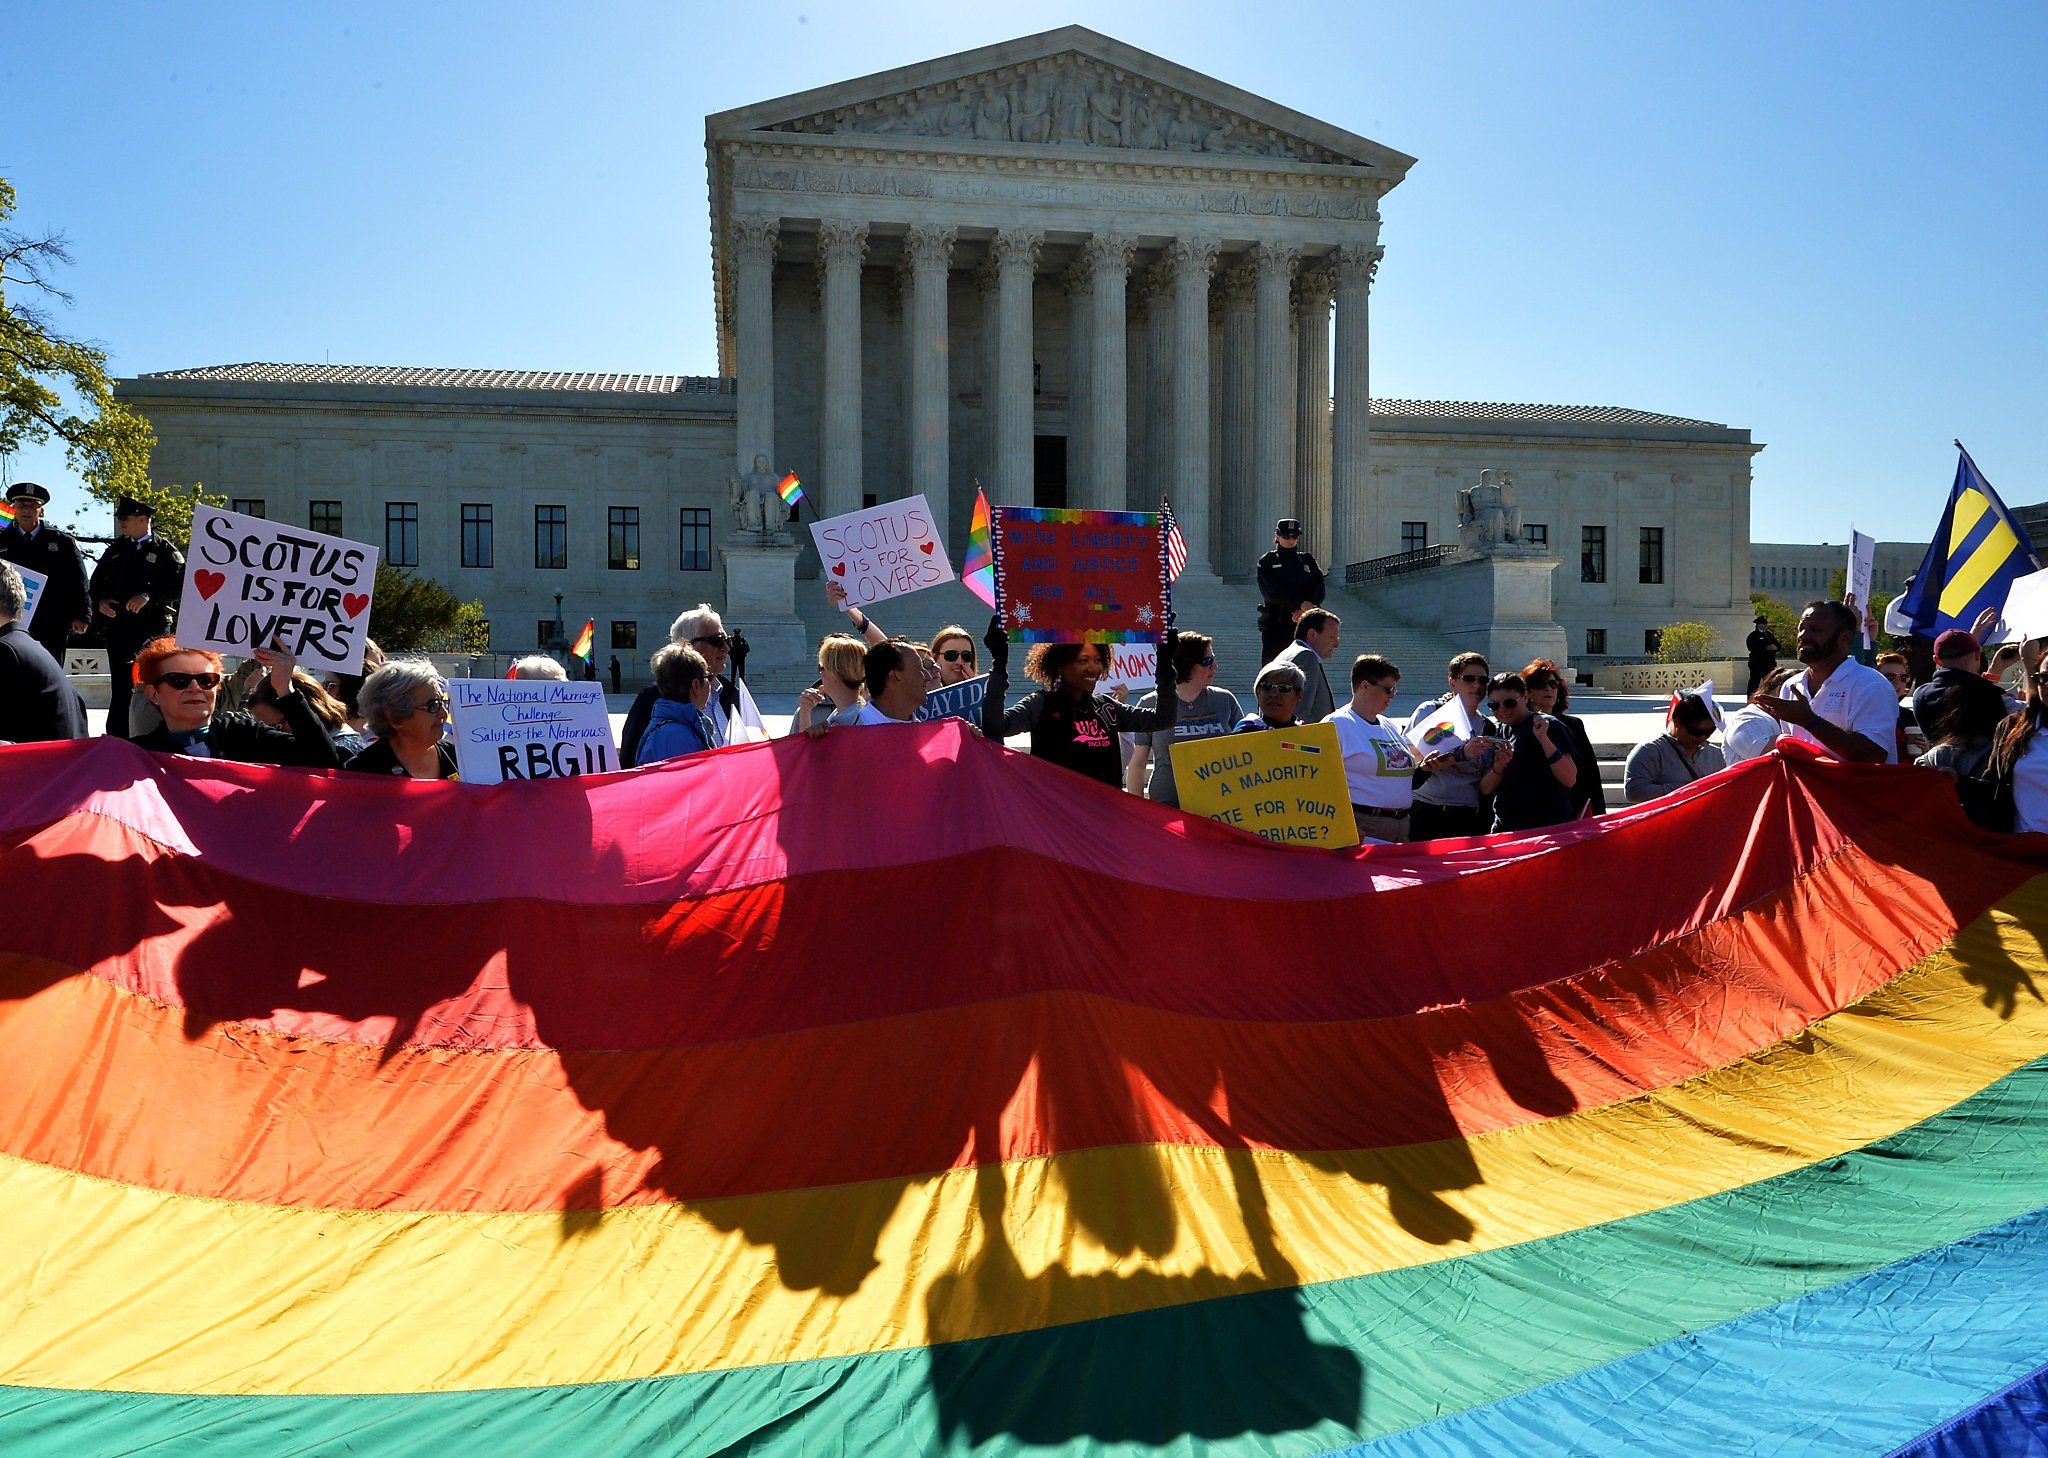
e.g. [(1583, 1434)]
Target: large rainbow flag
[(889, 1093)]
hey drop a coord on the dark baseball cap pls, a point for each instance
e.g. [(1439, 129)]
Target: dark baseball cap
[(1287, 526), (1955, 643)]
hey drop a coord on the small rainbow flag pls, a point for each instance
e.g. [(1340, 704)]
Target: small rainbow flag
[(790, 489), (978, 569), (6, 513), (581, 647)]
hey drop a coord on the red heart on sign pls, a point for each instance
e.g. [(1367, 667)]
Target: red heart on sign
[(838, 569), (925, 547), (208, 583), (353, 603)]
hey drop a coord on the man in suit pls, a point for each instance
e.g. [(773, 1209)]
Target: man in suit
[(32, 543), (135, 590), (37, 702), (1319, 631)]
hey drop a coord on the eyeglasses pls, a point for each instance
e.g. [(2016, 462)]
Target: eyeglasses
[(1542, 683), (1498, 704), (1471, 678), (716, 640), (1896, 677), (1208, 661), (1278, 688), (436, 705), (958, 655), (187, 680), (1392, 685)]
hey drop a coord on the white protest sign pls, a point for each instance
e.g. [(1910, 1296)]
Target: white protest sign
[(1856, 592), (1443, 728), (249, 581), (35, 582), (2026, 609), (1133, 665), (529, 729), (883, 551), (1705, 694)]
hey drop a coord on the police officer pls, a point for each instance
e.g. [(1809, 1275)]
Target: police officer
[(29, 542), (135, 590), (1289, 580)]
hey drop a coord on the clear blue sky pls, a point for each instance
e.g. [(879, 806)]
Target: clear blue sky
[(1822, 222)]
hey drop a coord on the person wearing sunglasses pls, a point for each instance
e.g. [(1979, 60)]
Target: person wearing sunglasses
[(1447, 798), (1278, 688), (1550, 694), (1531, 779), (1677, 757), (737, 719), (1379, 763), (1205, 711), (184, 685), (405, 704), (680, 724), (953, 647)]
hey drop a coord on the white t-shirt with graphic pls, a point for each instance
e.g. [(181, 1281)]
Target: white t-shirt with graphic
[(1855, 698), (1379, 764)]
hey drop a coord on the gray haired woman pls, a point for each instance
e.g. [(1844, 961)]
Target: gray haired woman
[(405, 704)]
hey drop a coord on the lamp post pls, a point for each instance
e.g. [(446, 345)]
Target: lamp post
[(558, 617)]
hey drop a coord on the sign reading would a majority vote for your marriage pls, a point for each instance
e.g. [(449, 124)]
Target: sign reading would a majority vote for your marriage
[(529, 729), (1285, 785), (251, 583), (1080, 576), (883, 551)]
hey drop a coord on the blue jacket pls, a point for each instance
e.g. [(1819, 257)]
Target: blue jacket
[(673, 730)]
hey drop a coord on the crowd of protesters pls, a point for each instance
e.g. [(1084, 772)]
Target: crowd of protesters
[(1525, 763)]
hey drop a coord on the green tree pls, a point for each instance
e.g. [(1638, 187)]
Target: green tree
[(52, 385), (1781, 620), (412, 614), (1684, 643)]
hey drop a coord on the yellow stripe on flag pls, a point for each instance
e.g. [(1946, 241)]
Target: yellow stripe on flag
[(1992, 553)]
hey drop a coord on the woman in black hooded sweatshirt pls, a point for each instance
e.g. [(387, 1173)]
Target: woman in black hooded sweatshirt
[(1070, 724)]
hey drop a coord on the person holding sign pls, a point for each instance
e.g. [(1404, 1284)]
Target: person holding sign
[(184, 685), (836, 699), (1205, 711), (1530, 783), (135, 590), (1379, 763), (405, 704), (1070, 724), (680, 723)]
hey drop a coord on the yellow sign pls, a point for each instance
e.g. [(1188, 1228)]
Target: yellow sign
[(1284, 784)]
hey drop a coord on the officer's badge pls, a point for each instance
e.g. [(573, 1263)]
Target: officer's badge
[(149, 556)]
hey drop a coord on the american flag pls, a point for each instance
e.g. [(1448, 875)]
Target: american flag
[(1176, 544)]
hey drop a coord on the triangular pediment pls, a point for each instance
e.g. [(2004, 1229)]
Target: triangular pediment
[(1066, 88)]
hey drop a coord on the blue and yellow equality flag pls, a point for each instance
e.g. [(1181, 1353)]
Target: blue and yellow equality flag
[(1977, 551)]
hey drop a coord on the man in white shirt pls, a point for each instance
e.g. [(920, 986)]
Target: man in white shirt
[(1837, 705), (897, 683), (1379, 763)]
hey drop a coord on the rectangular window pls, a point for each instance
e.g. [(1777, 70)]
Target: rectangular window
[(324, 516), (1414, 535), (1652, 567), (696, 539), (544, 632), (1593, 554), (1536, 533), (551, 536), (402, 533), (1596, 642), (625, 633), (247, 505), (1653, 639), (477, 546), (622, 538)]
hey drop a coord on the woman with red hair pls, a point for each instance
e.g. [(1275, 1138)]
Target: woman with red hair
[(184, 684)]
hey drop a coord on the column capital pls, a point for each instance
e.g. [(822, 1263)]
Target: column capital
[(988, 277), (1271, 259), (842, 244), (1355, 266), (1108, 252), (1077, 280), (929, 249), (1014, 248), (1187, 256), (1315, 285), (1236, 286), (1154, 283), (753, 239)]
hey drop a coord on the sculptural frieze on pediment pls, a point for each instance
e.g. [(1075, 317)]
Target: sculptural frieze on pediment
[(1069, 100)]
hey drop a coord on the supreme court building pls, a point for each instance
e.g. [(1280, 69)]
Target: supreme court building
[(1060, 267)]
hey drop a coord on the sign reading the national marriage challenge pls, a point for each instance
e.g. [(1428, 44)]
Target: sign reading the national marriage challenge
[(529, 729), (883, 551), (34, 582), (1286, 785), (1080, 576), (250, 583)]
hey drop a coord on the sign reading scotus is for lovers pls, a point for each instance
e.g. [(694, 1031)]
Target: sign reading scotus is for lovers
[(883, 551), (250, 583), (1286, 785)]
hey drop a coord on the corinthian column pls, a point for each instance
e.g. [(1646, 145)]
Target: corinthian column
[(1109, 267), (841, 249), (1187, 478), (1239, 289), (753, 256), (1015, 252), (1137, 416), (1080, 288), (1351, 443), (1312, 406), (1157, 406), (1272, 367), (930, 251)]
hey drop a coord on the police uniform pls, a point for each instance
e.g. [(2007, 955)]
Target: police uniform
[(134, 566), (55, 555), (1289, 580)]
